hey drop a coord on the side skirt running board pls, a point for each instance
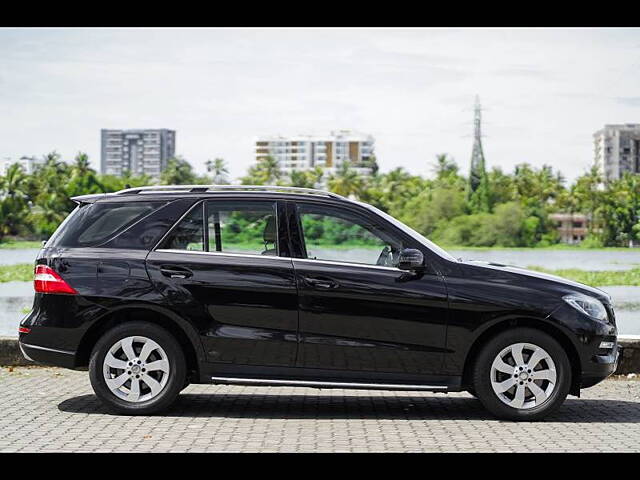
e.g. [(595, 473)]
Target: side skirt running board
[(318, 384)]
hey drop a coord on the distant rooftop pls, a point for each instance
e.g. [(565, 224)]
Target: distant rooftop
[(344, 135), (619, 126)]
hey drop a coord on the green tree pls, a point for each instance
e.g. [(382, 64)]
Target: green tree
[(306, 178), (14, 198), (620, 210), (83, 179), (178, 172), (346, 181), (219, 171), (265, 172)]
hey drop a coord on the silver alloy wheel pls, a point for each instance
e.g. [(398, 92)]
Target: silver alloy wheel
[(136, 369), (523, 375)]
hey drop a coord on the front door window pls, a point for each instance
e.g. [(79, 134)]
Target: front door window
[(333, 234)]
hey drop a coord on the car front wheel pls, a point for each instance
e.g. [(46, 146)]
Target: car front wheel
[(522, 374), (137, 368)]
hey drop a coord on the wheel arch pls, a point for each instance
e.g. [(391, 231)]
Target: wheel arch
[(540, 324), (178, 327)]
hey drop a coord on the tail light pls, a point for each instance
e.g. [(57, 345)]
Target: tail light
[(23, 330), (47, 280)]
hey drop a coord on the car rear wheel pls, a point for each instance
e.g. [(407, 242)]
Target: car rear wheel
[(137, 368), (522, 374)]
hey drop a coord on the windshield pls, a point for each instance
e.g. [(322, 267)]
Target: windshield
[(411, 232)]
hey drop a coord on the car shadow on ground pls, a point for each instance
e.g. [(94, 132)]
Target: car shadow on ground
[(271, 406)]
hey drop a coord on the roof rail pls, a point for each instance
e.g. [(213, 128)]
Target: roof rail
[(222, 188)]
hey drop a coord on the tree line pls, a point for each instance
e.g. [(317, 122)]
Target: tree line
[(508, 209)]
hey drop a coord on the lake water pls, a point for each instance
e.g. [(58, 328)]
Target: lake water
[(11, 257)]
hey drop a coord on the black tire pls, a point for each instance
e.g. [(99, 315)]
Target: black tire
[(482, 374), (176, 377)]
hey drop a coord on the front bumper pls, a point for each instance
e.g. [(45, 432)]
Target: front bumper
[(587, 335), (600, 367)]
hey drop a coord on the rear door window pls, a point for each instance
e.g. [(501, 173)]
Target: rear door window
[(229, 227), (94, 224)]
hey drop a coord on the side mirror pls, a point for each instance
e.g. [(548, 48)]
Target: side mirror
[(410, 259)]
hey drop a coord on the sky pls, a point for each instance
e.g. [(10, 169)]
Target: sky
[(544, 91)]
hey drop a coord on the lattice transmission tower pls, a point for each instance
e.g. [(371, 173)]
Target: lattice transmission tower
[(477, 155)]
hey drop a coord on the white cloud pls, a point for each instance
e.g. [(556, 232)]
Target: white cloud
[(545, 91)]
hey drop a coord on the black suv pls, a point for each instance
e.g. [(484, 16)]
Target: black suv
[(154, 288)]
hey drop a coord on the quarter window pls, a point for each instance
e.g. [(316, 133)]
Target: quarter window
[(94, 224), (337, 235), (189, 233)]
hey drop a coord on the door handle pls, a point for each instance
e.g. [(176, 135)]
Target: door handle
[(176, 272), (321, 283)]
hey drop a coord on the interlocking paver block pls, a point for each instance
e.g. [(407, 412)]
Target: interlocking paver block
[(49, 409)]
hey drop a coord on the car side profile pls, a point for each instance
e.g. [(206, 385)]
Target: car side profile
[(154, 288)]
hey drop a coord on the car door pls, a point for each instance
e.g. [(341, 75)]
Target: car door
[(359, 314), (225, 268)]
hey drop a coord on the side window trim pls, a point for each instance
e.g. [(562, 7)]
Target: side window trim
[(283, 237), (218, 233), (348, 264), (301, 249)]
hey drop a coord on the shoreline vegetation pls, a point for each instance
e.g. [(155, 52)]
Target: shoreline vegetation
[(597, 278), (23, 272)]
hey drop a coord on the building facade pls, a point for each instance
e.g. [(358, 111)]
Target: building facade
[(28, 164), (137, 151), (306, 152), (617, 150), (572, 227)]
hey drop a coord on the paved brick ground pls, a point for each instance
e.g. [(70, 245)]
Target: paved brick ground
[(48, 409)]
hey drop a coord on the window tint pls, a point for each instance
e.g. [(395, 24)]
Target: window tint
[(189, 233), (338, 235), (242, 227), (146, 233), (93, 224)]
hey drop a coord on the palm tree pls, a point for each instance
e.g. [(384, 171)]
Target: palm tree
[(306, 178), (13, 184), (13, 200), (346, 182), (219, 169), (178, 172), (83, 179), (269, 169), (81, 166)]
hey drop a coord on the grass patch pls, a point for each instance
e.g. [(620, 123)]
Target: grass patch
[(22, 272), (605, 278), (19, 244)]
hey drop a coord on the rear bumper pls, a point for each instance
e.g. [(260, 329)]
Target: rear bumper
[(48, 356)]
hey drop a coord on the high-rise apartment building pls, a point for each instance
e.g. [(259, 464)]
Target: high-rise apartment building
[(306, 152), (617, 150), (138, 151)]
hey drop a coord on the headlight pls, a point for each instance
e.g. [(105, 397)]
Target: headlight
[(588, 305)]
